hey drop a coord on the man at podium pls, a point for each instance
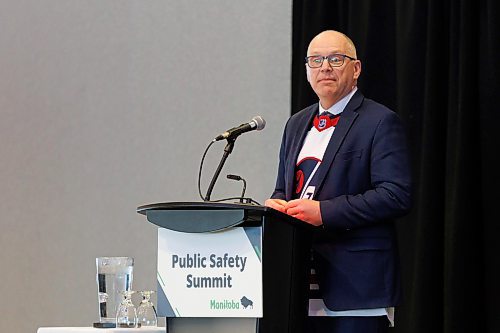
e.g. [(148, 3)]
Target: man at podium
[(344, 167)]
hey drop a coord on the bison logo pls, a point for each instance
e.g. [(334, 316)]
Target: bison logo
[(246, 302)]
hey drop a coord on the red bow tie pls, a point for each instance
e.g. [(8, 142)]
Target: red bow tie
[(326, 120)]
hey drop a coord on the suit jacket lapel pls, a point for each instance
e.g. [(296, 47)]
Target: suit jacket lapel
[(346, 120), (297, 142)]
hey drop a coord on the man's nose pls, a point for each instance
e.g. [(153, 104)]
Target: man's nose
[(325, 66)]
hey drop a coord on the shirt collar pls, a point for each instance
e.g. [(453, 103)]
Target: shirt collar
[(340, 105)]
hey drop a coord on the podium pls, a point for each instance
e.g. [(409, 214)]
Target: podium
[(281, 258)]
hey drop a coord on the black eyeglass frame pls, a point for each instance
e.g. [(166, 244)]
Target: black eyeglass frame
[(326, 57)]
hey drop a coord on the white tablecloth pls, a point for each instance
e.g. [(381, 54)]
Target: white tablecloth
[(100, 330)]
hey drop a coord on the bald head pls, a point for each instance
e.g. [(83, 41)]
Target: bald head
[(337, 37)]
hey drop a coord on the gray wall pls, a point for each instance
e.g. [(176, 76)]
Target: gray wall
[(109, 104)]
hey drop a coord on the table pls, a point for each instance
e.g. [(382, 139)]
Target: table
[(100, 330)]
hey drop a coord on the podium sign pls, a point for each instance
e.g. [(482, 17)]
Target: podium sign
[(231, 260), (216, 274)]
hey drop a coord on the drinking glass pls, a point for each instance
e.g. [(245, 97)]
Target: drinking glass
[(126, 315), (114, 274), (146, 312)]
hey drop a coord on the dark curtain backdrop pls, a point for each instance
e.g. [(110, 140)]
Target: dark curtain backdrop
[(436, 63)]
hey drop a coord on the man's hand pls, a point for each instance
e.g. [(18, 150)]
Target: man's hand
[(305, 210), (278, 204)]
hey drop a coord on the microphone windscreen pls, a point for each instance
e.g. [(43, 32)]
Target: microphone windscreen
[(261, 123)]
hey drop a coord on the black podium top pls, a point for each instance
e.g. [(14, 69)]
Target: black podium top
[(208, 216)]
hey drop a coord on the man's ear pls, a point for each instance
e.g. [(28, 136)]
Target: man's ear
[(357, 69), (308, 73)]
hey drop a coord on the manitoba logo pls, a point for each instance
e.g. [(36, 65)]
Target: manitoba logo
[(246, 302), (225, 304), (229, 304)]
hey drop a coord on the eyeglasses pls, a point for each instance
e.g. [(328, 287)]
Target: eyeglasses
[(334, 60)]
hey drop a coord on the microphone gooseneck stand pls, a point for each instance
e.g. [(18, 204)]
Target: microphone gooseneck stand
[(227, 150), (238, 178)]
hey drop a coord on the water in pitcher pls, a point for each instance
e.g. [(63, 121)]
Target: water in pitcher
[(113, 275)]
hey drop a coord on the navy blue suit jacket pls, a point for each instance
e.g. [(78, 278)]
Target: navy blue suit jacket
[(364, 184)]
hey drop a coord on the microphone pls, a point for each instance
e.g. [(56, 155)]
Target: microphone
[(238, 178), (257, 123)]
